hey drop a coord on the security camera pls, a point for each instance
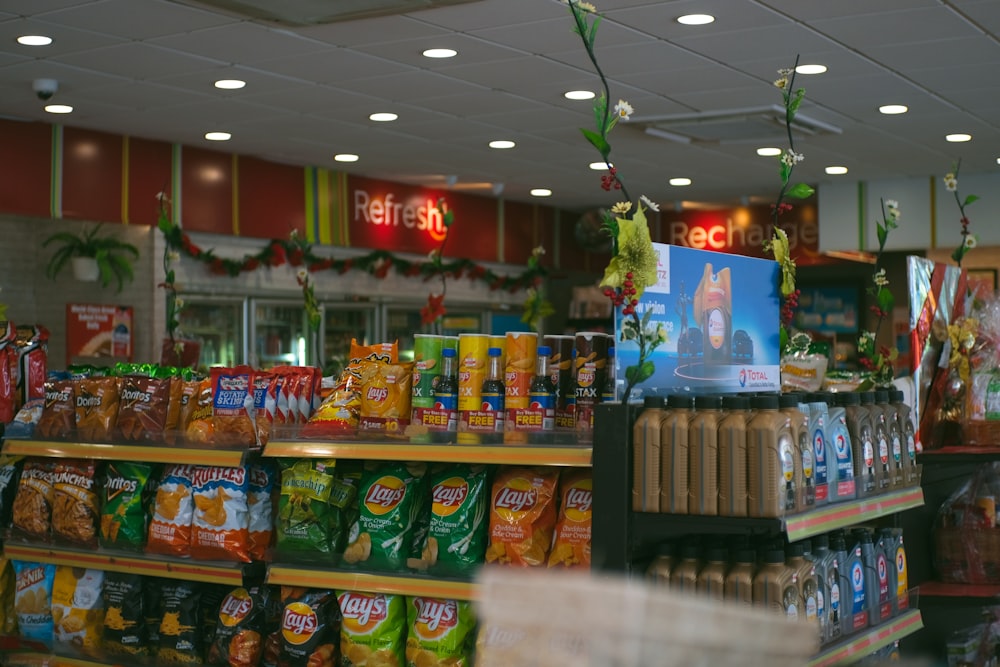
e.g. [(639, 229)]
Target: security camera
[(45, 88)]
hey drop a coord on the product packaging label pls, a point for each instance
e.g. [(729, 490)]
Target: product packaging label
[(902, 584), (845, 459), (884, 601), (859, 609)]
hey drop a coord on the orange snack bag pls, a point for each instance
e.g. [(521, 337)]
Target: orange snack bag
[(572, 544), (233, 412), (339, 413), (385, 397), (265, 402), (197, 419), (522, 516), (173, 509), (220, 528)]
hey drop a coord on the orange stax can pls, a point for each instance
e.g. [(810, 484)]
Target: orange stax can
[(522, 350), (472, 357)]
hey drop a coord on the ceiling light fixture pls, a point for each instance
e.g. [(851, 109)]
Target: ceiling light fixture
[(958, 138), (230, 84), (440, 53), (541, 192), (680, 182), (59, 108), (383, 117), (345, 157), (768, 151), (836, 171), (579, 95), (502, 144), (599, 166), (810, 69), (218, 136), (893, 109), (34, 40), (695, 19)]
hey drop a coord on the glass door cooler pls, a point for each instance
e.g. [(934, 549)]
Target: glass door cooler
[(403, 320), (341, 323), (279, 335), (218, 325)]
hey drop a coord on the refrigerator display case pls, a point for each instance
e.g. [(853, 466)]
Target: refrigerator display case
[(341, 323), (403, 320), (280, 335), (219, 325)]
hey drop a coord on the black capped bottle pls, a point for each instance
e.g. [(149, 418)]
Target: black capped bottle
[(494, 394), (542, 392), (609, 391), (446, 391)]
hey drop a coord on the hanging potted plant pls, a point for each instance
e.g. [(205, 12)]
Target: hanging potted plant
[(93, 258)]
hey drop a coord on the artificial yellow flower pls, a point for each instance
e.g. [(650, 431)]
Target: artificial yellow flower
[(782, 255), (621, 208), (636, 255)]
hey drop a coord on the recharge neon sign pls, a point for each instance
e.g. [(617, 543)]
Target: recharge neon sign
[(417, 212)]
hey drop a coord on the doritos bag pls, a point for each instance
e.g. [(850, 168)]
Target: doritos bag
[(173, 512), (124, 622), (96, 408), (572, 543), (142, 408), (239, 634), (523, 516), (58, 420), (440, 632), (372, 629), (123, 512), (259, 503), (459, 523), (221, 528), (32, 510), (233, 412), (33, 600), (77, 608), (339, 413), (310, 628)]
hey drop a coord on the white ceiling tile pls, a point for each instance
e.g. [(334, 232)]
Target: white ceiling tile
[(478, 15), (415, 86), (318, 100), (245, 43), (203, 80), (810, 10), (471, 105), (145, 96), (777, 42), (35, 7), (508, 74), (65, 39), (336, 65), (138, 60), (553, 35), (117, 17), (471, 50), (372, 31), (899, 27), (659, 18)]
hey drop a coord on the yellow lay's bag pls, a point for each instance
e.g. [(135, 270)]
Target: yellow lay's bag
[(385, 397), (339, 413), (572, 544)]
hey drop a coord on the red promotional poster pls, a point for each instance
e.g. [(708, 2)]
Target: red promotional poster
[(102, 331)]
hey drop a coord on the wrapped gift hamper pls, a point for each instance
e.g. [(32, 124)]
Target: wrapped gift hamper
[(966, 536)]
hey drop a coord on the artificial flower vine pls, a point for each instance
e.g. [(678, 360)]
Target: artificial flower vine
[(174, 303), (878, 359), (633, 266), (969, 240), (434, 309), (536, 306)]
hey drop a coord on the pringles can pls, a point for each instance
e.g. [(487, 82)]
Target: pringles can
[(591, 376), (561, 369)]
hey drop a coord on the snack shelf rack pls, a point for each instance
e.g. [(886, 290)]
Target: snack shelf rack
[(396, 584), (122, 452), (869, 641), (549, 455), (40, 659), (156, 566)]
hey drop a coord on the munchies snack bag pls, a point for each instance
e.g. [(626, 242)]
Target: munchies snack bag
[(373, 629), (523, 516), (220, 528), (339, 413), (572, 543)]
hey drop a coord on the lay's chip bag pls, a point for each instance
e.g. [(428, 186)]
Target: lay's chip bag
[(372, 630), (523, 515), (385, 398), (339, 413), (391, 509), (220, 528), (239, 634), (77, 608), (260, 489), (33, 600), (572, 544), (440, 632), (459, 520)]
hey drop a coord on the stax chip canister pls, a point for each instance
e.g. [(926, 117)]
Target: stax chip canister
[(260, 488), (173, 512), (77, 608), (472, 358), (142, 408), (233, 411), (310, 628), (591, 374), (124, 630), (385, 397), (75, 502), (523, 515), (239, 634), (96, 408), (372, 629), (302, 528), (8, 618), (33, 600), (123, 512), (220, 528), (572, 543), (563, 379), (391, 502), (426, 369), (522, 349), (440, 632), (180, 636), (32, 509), (58, 420), (459, 523)]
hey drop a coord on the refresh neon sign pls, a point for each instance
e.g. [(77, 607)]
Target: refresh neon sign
[(418, 212)]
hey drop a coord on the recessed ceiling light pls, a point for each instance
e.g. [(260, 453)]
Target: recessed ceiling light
[(59, 108), (768, 152), (695, 19), (599, 166), (893, 109), (218, 136), (579, 95), (440, 53), (998, 160), (958, 138), (541, 192), (383, 117), (34, 40), (810, 69), (502, 144), (345, 157), (836, 171), (230, 84), (680, 181)]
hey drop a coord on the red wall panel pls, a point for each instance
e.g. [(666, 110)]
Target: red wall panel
[(25, 168), (149, 173), (271, 199), (92, 175), (207, 191)]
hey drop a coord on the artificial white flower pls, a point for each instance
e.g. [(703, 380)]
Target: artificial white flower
[(650, 204), (621, 208), (970, 241), (585, 6), (302, 275), (892, 209), (781, 83), (624, 110), (880, 279), (538, 251), (791, 158), (173, 256), (785, 71), (950, 182), (162, 197), (178, 303)]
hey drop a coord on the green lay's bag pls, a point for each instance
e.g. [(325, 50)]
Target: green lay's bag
[(123, 511), (372, 630), (440, 632), (459, 520), (390, 512), (303, 523), (344, 503)]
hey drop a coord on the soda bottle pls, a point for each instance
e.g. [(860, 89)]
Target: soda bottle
[(446, 391), (493, 394), (542, 394)]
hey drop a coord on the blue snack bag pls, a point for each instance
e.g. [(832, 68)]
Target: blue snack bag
[(33, 600)]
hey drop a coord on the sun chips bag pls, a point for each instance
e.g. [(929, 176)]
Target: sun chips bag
[(523, 516), (302, 528), (372, 630)]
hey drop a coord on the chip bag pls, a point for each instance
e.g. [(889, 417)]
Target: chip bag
[(385, 397), (265, 403), (459, 528), (523, 515), (344, 503), (142, 408), (390, 500), (8, 371), (26, 419), (239, 633), (572, 544), (74, 505), (199, 428), (96, 408), (32, 509), (124, 631), (77, 608), (58, 419), (10, 474), (33, 600), (152, 610), (123, 514), (260, 489), (8, 618), (302, 530), (221, 526), (440, 632), (339, 413), (173, 512), (180, 639), (233, 412), (372, 629), (310, 628)]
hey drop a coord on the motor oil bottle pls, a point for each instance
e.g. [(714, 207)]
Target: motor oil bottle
[(910, 474), (820, 558), (836, 586), (674, 488), (805, 573), (770, 460), (733, 456), (824, 467), (898, 552), (739, 581), (880, 439), (775, 586), (885, 568), (874, 592), (646, 452), (662, 567), (842, 452), (854, 576), (684, 577), (859, 425), (805, 482), (703, 456), (896, 443), (712, 578)]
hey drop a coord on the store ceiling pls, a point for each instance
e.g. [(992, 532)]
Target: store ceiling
[(146, 68)]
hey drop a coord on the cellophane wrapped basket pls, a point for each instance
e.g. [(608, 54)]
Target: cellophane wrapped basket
[(966, 536)]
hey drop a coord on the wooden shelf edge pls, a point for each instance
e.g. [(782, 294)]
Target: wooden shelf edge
[(552, 455), (124, 452), (858, 646), (842, 515), (290, 575), (42, 659)]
